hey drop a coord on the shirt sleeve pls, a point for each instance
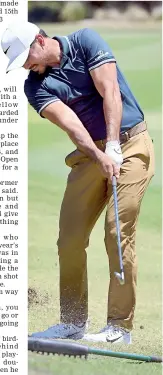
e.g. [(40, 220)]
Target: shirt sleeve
[(38, 95), (97, 51)]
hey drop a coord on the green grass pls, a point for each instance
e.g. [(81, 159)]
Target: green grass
[(139, 56)]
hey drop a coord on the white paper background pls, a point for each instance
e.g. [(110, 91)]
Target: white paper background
[(17, 78)]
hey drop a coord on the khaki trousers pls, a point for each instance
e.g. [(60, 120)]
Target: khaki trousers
[(86, 195)]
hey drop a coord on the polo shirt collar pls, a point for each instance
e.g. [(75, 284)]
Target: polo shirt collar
[(65, 48)]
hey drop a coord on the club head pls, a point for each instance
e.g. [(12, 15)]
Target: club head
[(120, 277)]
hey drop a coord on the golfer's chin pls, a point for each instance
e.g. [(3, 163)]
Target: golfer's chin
[(41, 69)]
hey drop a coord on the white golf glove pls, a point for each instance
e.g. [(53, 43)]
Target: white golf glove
[(113, 150)]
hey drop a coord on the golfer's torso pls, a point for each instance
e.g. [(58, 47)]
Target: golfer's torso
[(73, 85)]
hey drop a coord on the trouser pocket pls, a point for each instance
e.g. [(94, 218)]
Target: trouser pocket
[(74, 158)]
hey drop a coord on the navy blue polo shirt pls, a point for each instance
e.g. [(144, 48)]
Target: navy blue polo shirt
[(72, 83)]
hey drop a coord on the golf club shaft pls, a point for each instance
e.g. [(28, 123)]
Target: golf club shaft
[(133, 356), (114, 185)]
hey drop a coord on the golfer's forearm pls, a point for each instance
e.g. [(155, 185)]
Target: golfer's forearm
[(112, 105), (68, 121), (83, 141)]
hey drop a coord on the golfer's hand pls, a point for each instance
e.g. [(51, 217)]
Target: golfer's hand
[(108, 167), (113, 150)]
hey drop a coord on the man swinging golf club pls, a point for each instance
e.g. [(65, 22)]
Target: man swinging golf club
[(75, 82)]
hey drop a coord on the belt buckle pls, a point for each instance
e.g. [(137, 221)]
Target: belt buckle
[(127, 136)]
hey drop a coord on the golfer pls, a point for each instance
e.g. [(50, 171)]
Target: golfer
[(76, 83)]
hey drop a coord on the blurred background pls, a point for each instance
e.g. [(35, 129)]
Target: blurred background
[(50, 11), (133, 31)]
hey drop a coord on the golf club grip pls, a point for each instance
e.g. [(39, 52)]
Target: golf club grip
[(56, 347), (114, 181)]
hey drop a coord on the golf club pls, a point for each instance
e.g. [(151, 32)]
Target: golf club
[(61, 347), (119, 276)]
